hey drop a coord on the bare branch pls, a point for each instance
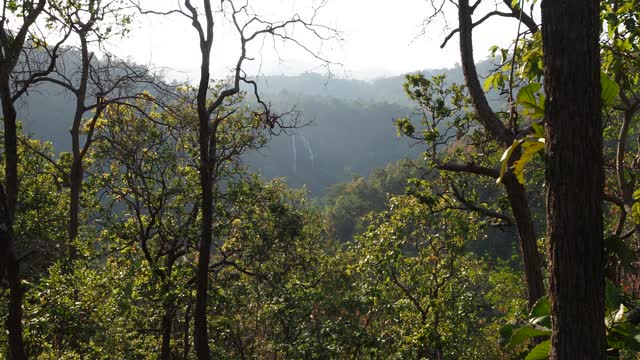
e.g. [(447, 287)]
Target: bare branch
[(480, 209), (470, 168), (483, 19)]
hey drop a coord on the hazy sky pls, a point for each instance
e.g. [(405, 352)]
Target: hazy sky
[(380, 38)]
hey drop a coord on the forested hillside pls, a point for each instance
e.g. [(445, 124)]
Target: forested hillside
[(346, 126), (339, 137), (490, 210)]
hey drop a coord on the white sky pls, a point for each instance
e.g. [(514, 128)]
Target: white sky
[(380, 38)]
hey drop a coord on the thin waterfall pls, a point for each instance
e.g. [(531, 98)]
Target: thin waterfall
[(308, 146), (295, 155)]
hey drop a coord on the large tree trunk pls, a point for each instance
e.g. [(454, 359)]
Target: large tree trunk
[(8, 261), (574, 177), (10, 266), (496, 129), (10, 142)]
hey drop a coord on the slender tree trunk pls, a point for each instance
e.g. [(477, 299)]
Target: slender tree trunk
[(10, 143), (75, 184), (501, 134), (528, 243), (167, 321), (8, 260), (168, 309), (202, 276), (77, 171), (10, 266), (574, 177), (201, 339), (200, 331), (10, 51), (187, 321)]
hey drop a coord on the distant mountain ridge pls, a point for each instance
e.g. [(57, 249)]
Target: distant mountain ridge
[(386, 89), (353, 131)]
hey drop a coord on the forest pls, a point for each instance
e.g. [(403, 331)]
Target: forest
[(489, 210)]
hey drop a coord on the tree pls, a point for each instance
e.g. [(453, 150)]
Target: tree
[(574, 177), (620, 61), (348, 203), (141, 164), (94, 83), (500, 131), (419, 280), (269, 270), (14, 82), (250, 28)]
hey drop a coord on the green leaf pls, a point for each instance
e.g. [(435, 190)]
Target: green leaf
[(624, 335), (542, 307), (614, 245), (542, 322), (505, 335), (533, 104), (625, 328), (540, 314), (504, 160), (611, 295), (493, 80), (610, 89), (635, 211), (525, 333), (12, 6), (538, 130), (530, 147), (527, 94), (540, 352)]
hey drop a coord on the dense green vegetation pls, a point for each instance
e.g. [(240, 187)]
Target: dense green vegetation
[(180, 221)]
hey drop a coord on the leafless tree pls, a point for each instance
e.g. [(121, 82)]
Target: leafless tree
[(19, 32), (250, 28), (94, 83)]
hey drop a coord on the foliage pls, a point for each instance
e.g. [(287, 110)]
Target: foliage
[(413, 261), (346, 204), (423, 290), (623, 332)]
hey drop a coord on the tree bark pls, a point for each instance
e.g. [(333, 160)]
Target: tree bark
[(11, 46), (77, 171), (75, 184), (8, 260), (166, 325), (10, 267), (574, 177), (200, 331), (187, 320), (168, 308), (204, 251), (528, 243)]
